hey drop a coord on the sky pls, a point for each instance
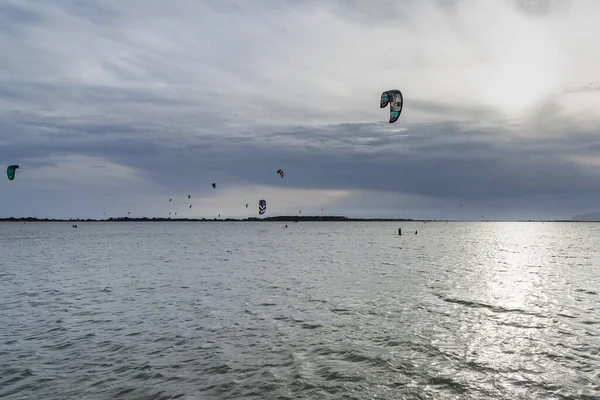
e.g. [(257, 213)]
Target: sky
[(117, 106)]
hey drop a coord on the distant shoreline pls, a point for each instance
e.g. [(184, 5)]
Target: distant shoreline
[(286, 218)]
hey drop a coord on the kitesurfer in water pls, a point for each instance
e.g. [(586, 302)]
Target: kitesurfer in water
[(399, 231)]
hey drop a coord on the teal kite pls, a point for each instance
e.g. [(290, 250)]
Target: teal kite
[(396, 101), (10, 171)]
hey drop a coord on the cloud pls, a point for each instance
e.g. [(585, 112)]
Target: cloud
[(81, 171), (169, 98)]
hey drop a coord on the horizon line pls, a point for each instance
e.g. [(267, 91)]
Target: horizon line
[(282, 218)]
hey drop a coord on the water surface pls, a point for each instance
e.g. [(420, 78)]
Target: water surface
[(320, 310)]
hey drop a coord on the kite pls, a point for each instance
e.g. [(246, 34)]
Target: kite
[(246, 205), (189, 196), (280, 172), (395, 100), (214, 185), (262, 207), (10, 171), (190, 206), (170, 200)]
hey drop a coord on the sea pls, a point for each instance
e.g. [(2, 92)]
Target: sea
[(314, 310)]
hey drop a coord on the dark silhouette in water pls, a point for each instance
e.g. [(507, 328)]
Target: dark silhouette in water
[(415, 232), (399, 231)]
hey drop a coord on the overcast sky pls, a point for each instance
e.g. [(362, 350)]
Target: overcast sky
[(119, 105)]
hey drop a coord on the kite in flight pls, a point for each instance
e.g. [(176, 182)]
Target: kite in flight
[(395, 100), (262, 207), (214, 185), (10, 172), (280, 172)]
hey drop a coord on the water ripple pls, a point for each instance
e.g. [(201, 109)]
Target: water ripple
[(319, 310)]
